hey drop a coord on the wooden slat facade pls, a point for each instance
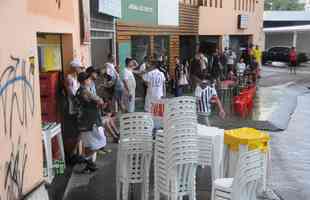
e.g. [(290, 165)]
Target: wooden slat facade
[(125, 31), (189, 19), (189, 25)]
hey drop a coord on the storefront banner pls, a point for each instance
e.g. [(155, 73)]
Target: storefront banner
[(168, 12), (111, 7), (140, 11)]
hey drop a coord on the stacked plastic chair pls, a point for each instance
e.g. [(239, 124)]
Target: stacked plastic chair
[(134, 153), (244, 185), (176, 151)]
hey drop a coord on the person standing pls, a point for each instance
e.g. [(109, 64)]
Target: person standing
[(71, 133), (89, 121), (205, 95), (231, 57), (180, 77), (156, 89), (93, 74), (257, 53), (118, 87), (130, 84), (241, 67), (293, 60), (216, 65)]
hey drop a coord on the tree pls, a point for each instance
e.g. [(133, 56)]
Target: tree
[(283, 5)]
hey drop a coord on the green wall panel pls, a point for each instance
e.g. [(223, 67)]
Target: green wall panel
[(140, 11), (124, 52)]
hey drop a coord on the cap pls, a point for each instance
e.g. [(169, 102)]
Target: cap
[(83, 76), (76, 63)]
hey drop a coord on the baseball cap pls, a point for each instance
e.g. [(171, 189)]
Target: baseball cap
[(76, 63), (83, 76)]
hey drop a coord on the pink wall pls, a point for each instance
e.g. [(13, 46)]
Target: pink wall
[(224, 21), (20, 120)]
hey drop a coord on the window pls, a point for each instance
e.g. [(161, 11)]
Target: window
[(239, 5), (254, 2), (221, 3), (215, 3), (210, 4)]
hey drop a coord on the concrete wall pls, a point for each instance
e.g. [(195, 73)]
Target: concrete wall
[(20, 113), (279, 39), (224, 21), (303, 42), (286, 39)]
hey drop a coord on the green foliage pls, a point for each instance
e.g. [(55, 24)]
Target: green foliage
[(283, 5)]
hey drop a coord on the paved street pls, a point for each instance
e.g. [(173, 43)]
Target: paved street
[(283, 102)]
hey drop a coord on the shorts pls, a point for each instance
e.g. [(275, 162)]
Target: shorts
[(94, 140), (203, 118), (293, 63)]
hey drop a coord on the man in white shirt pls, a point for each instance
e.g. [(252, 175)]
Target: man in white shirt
[(130, 84), (118, 87), (110, 67), (155, 80)]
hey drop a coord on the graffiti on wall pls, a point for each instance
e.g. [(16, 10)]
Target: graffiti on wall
[(16, 94), (17, 107), (14, 171)]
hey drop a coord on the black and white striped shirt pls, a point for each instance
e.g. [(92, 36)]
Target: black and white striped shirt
[(204, 97)]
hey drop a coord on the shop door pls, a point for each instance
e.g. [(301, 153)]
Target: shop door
[(100, 49), (141, 47)]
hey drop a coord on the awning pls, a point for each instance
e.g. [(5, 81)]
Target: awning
[(288, 29)]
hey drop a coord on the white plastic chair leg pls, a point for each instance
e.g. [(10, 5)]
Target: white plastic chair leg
[(125, 191), (118, 190), (61, 146), (49, 158)]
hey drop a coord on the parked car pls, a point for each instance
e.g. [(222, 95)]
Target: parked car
[(281, 54)]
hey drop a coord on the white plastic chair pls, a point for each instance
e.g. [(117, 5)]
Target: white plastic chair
[(176, 151), (244, 185), (134, 153), (53, 130)]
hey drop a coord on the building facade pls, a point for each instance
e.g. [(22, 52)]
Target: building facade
[(35, 35), (230, 23), (148, 28), (103, 29)]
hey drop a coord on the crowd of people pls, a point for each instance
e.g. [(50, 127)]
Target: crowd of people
[(96, 95)]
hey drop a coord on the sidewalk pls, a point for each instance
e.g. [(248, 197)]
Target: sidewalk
[(290, 155)]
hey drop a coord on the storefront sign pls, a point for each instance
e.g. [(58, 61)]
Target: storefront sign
[(243, 21), (111, 7), (168, 12), (140, 11)]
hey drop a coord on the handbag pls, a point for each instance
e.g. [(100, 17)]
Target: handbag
[(183, 79)]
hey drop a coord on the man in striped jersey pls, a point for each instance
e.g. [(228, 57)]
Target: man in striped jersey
[(206, 94)]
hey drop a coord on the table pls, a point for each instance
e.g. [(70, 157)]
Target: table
[(242, 140), (49, 131), (216, 135)]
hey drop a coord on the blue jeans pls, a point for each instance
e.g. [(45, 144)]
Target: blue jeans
[(179, 90)]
